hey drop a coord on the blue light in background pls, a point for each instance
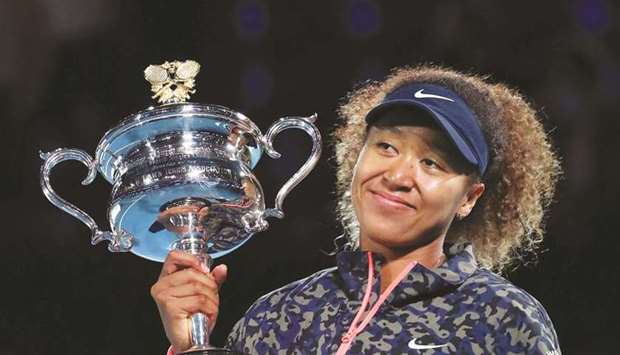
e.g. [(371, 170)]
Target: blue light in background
[(252, 19), (256, 85), (592, 14), (362, 18)]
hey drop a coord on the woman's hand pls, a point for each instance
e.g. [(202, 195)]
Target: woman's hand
[(186, 287)]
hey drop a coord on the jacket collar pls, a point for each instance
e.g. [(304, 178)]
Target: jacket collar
[(421, 282)]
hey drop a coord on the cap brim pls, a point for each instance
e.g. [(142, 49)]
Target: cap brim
[(442, 121)]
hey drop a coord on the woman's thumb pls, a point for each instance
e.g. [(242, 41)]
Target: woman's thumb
[(220, 273)]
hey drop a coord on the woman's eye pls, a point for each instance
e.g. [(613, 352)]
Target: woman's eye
[(430, 163), (386, 146)]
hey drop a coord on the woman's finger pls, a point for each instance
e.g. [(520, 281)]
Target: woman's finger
[(195, 304), (191, 290), (177, 260), (187, 276), (220, 273)]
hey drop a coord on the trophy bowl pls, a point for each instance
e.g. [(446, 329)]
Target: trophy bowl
[(181, 176), (176, 155)]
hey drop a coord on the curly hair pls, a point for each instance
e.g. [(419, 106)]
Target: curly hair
[(507, 222)]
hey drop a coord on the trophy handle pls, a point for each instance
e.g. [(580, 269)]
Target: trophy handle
[(118, 242), (306, 124)]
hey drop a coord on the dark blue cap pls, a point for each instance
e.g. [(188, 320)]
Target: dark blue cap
[(449, 111)]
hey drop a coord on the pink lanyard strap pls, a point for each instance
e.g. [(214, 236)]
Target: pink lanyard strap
[(356, 328)]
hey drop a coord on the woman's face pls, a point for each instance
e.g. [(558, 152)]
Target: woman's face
[(409, 183)]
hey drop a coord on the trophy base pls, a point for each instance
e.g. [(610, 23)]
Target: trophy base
[(212, 351)]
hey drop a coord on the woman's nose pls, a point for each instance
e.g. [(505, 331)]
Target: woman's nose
[(400, 176)]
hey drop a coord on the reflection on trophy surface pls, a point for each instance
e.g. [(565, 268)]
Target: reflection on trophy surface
[(181, 176)]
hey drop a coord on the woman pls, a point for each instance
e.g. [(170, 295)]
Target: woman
[(442, 178)]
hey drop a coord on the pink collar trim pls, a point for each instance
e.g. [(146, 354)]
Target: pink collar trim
[(357, 326)]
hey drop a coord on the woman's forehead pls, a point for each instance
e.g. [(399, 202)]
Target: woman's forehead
[(405, 116), (416, 127), (431, 137), (413, 125)]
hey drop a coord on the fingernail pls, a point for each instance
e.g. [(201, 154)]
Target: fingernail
[(204, 268)]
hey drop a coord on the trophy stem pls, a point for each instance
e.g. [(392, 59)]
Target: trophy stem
[(199, 329), (196, 245), (192, 240)]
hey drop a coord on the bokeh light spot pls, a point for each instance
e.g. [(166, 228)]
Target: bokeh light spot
[(256, 85), (362, 18), (251, 19), (592, 14)]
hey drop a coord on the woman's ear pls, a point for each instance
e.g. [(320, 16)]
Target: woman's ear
[(469, 201)]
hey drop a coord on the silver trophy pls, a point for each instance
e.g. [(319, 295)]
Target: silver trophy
[(182, 178)]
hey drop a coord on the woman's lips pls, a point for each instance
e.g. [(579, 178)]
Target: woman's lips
[(388, 199)]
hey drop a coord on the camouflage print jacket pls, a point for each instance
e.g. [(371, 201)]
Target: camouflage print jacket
[(456, 308)]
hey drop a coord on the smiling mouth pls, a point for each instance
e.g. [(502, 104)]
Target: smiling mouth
[(391, 200)]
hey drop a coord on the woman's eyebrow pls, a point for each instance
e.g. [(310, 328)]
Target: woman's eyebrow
[(391, 129), (442, 147)]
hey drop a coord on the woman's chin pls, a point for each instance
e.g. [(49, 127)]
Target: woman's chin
[(388, 240)]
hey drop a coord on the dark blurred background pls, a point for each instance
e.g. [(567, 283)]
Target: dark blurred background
[(71, 69)]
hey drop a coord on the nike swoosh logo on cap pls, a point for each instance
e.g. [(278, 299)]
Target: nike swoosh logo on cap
[(420, 95), (414, 345)]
